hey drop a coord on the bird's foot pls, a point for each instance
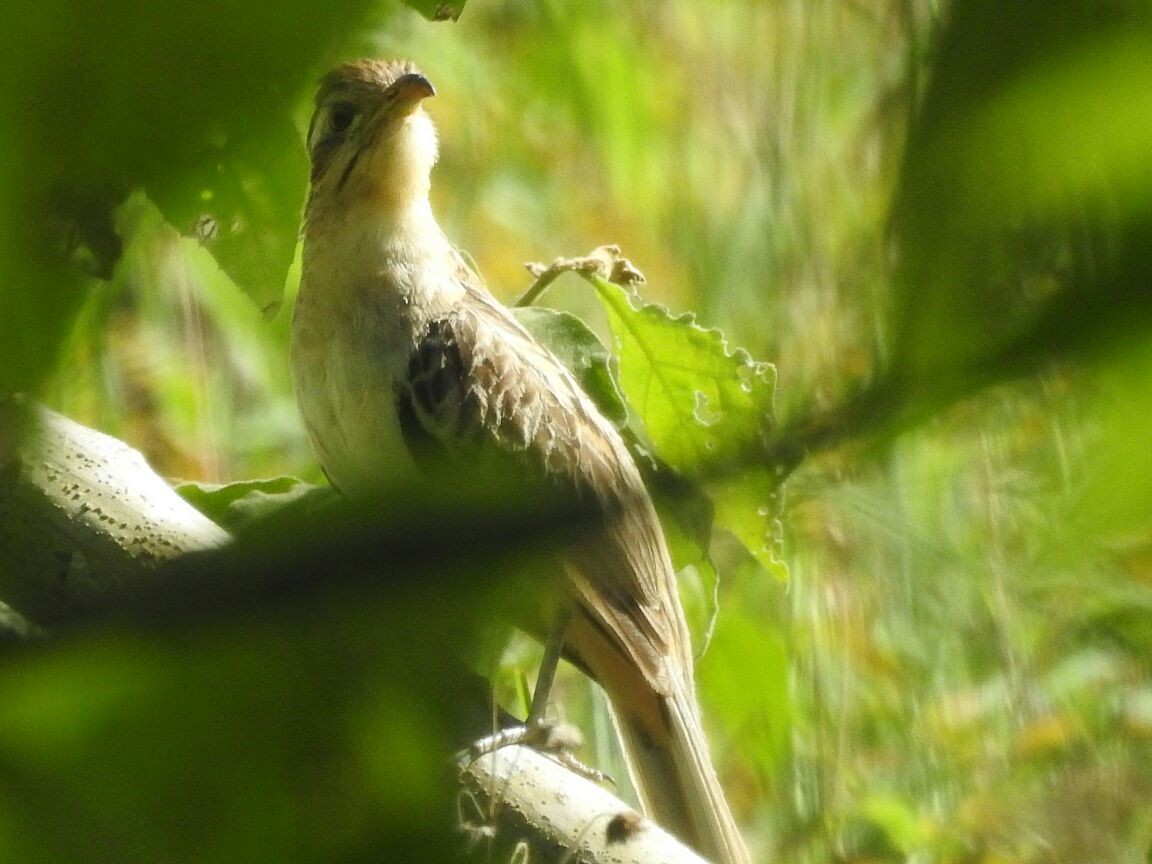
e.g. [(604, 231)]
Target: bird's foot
[(557, 740)]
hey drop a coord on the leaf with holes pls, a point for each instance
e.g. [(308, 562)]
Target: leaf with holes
[(700, 402), (705, 410), (434, 10)]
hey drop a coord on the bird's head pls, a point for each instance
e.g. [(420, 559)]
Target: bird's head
[(370, 141)]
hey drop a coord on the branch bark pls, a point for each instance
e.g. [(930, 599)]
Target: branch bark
[(82, 516), (520, 805)]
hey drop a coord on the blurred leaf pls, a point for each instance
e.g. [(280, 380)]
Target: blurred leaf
[(33, 322), (260, 740), (750, 505), (195, 102), (288, 697), (1088, 110), (242, 200), (235, 506), (1025, 203), (752, 695), (582, 352), (901, 825), (436, 11)]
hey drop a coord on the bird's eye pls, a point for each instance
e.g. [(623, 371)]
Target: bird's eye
[(341, 117)]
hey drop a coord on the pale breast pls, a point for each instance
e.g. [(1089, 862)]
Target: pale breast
[(345, 358), (367, 289)]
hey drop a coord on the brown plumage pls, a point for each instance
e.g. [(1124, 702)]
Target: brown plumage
[(397, 344)]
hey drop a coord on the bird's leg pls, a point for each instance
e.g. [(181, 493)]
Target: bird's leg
[(553, 651), (537, 732)]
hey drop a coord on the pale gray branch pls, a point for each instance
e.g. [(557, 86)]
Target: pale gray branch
[(82, 517), (529, 807)]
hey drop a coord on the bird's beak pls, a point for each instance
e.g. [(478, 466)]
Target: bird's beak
[(411, 89), (402, 97)]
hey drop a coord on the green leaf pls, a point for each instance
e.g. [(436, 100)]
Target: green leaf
[(437, 11), (193, 102), (242, 201), (700, 403), (582, 352), (235, 506), (748, 505), (752, 694)]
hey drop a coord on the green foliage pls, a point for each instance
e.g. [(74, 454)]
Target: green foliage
[(194, 104), (235, 506), (268, 738), (1023, 207), (935, 221), (435, 11), (703, 408), (240, 207), (698, 402)]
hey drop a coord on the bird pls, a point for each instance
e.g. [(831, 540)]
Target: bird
[(398, 348)]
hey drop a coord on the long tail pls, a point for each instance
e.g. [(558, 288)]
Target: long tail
[(673, 774), (629, 633)]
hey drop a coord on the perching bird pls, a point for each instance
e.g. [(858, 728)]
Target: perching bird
[(397, 344)]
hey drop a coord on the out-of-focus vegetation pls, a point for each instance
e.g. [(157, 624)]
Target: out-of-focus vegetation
[(934, 218)]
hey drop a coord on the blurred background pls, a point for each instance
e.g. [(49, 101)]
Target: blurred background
[(934, 218)]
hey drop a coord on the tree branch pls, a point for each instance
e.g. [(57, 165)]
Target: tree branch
[(82, 516), (519, 804)]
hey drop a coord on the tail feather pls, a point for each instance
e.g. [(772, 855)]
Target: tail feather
[(676, 781)]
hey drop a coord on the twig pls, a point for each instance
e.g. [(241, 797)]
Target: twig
[(604, 262)]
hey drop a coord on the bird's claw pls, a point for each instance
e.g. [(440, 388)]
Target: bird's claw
[(556, 740)]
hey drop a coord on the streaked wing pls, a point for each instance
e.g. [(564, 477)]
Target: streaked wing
[(478, 380)]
